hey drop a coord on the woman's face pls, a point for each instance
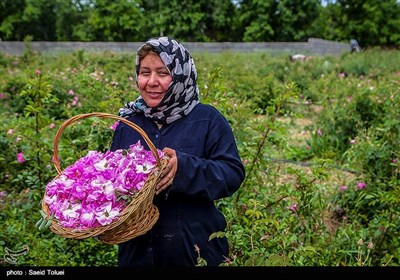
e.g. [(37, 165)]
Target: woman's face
[(153, 79)]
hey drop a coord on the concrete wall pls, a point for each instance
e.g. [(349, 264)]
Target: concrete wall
[(312, 47)]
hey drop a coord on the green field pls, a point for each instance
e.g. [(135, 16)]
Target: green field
[(320, 141)]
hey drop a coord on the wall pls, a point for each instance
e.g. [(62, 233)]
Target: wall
[(312, 47)]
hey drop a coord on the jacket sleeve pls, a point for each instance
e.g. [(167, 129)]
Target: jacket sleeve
[(216, 175)]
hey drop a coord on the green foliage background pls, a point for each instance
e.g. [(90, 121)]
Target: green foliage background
[(372, 23)]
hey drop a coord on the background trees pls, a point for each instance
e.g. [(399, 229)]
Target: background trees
[(372, 23)]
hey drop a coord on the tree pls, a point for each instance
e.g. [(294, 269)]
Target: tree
[(70, 14), (187, 20), (254, 20), (292, 20), (41, 19), (273, 20), (10, 18), (16, 17), (370, 22), (181, 19), (110, 21)]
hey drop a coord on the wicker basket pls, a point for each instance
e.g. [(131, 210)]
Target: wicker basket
[(140, 214)]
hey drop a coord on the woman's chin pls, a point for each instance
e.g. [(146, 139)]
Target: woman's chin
[(153, 104)]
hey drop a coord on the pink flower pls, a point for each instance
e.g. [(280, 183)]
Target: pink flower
[(106, 213), (114, 125), (37, 72), (72, 211), (361, 185), (52, 125), (71, 92), (352, 141), (18, 139), (293, 207), (75, 100), (10, 131), (319, 132), (342, 188), (88, 219), (2, 95), (20, 157), (94, 190)]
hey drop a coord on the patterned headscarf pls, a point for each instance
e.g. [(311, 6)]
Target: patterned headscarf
[(182, 94)]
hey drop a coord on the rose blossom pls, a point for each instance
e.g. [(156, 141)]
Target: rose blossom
[(20, 157), (361, 185), (96, 188)]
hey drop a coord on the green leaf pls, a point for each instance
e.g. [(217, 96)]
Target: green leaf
[(39, 222), (42, 224), (217, 234), (48, 223), (43, 214)]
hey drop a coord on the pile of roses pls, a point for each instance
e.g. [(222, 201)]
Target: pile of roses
[(97, 188)]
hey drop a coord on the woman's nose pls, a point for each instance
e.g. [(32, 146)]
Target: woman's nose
[(153, 80)]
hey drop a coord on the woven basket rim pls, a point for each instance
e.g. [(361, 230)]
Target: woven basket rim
[(55, 158)]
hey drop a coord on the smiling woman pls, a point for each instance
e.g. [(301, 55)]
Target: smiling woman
[(204, 163)]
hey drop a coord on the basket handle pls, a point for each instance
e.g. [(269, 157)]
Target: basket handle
[(55, 158)]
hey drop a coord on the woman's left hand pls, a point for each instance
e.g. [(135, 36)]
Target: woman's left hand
[(169, 172)]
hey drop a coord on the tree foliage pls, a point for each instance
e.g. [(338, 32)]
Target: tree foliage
[(372, 23)]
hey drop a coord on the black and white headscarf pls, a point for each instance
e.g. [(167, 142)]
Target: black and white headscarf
[(182, 94)]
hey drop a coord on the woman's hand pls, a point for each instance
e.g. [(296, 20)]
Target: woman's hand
[(168, 175)]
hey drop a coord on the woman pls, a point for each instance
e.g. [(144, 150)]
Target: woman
[(204, 162)]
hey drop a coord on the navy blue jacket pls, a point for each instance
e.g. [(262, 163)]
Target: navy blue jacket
[(209, 168)]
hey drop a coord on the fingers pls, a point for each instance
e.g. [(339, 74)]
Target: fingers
[(164, 183), (168, 175), (166, 179), (169, 152)]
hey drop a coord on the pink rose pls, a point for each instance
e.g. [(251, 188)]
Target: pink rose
[(20, 157)]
